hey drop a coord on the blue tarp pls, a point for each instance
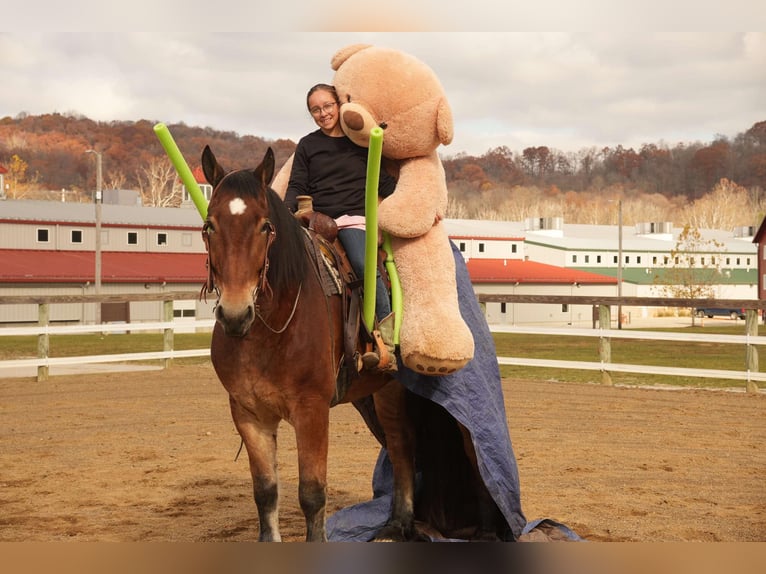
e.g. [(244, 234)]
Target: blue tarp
[(473, 396)]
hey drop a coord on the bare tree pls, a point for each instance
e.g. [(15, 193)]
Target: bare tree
[(115, 180), (726, 207), (158, 184)]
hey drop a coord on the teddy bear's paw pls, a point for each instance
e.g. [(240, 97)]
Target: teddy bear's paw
[(434, 366)]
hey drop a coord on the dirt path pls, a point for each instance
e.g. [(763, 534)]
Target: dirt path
[(150, 457)]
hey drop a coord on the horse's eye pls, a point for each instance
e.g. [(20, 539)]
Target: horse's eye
[(208, 228), (266, 227)]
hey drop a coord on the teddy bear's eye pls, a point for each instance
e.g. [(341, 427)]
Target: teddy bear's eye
[(348, 98), (382, 125)]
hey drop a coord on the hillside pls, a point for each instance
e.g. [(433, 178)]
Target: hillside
[(53, 147), (657, 182)]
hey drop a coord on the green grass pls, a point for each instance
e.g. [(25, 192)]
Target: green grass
[(630, 351)]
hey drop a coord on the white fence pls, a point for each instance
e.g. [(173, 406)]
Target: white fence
[(603, 366), (749, 340)]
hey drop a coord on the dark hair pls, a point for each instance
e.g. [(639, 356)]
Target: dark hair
[(326, 88)]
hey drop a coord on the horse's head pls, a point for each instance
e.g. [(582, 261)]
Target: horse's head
[(238, 234)]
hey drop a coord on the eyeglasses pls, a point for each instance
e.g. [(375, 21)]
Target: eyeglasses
[(327, 108)]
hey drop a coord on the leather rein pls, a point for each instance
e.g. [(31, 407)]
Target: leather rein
[(261, 285)]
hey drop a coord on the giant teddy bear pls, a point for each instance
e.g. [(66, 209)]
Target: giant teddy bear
[(396, 91), (399, 93)]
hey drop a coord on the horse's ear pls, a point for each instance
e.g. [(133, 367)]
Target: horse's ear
[(265, 171), (211, 168)]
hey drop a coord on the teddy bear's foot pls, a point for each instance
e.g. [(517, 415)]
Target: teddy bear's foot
[(434, 366)]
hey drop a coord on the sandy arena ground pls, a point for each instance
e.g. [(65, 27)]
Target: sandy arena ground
[(150, 456)]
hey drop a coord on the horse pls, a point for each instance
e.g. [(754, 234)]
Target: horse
[(277, 347)]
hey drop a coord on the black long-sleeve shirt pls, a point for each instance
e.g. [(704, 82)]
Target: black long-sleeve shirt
[(333, 171)]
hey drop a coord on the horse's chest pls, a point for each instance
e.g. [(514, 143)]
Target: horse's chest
[(258, 395), (250, 377)]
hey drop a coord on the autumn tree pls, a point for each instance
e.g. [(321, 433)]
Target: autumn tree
[(709, 165), (17, 174), (693, 268)]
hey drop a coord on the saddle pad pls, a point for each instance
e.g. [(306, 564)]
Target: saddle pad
[(324, 260)]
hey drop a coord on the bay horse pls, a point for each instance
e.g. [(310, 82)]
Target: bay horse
[(277, 346)]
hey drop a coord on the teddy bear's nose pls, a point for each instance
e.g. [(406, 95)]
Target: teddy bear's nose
[(353, 120)]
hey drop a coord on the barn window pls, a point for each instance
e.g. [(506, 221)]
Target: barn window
[(184, 313), (76, 236), (43, 236), (132, 238), (162, 239)]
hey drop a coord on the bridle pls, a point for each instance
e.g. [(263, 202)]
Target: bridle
[(261, 285)]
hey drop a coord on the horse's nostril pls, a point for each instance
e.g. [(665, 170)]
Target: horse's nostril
[(353, 120)]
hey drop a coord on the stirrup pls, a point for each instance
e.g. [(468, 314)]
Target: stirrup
[(372, 361), (382, 356)]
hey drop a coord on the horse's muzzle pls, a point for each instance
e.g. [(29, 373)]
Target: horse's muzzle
[(236, 322)]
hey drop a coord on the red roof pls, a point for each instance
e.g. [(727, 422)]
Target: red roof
[(519, 271), (32, 266), (199, 175)]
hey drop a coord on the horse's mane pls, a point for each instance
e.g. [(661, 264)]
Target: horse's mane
[(288, 261)]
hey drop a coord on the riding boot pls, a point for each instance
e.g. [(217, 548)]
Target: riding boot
[(383, 357)]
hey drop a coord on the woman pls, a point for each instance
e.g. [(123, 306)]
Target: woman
[(332, 169)]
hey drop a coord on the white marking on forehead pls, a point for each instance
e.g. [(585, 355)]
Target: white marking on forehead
[(237, 206)]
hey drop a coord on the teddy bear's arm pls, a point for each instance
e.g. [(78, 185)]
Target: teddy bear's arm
[(419, 200)]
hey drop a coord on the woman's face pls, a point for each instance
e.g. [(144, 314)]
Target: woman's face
[(324, 109)]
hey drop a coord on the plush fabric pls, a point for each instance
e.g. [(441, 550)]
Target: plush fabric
[(394, 90)]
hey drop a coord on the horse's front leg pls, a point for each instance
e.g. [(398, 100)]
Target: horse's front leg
[(259, 433), (391, 410), (311, 425)]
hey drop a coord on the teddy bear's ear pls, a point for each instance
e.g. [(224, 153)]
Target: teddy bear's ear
[(444, 125), (345, 53)]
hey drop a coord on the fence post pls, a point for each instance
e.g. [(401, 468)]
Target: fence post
[(604, 343), (43, 340), (167, 343), (751, 354)]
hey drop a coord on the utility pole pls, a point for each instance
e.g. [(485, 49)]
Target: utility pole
[(619, 262), (97, 282)]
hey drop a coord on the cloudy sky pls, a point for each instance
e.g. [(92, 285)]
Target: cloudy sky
[(566, 90)]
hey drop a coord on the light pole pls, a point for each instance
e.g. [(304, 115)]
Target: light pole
[(619, 262), (97, 281)]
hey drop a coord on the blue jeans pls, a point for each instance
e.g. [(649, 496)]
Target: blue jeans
[(353, 241)]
